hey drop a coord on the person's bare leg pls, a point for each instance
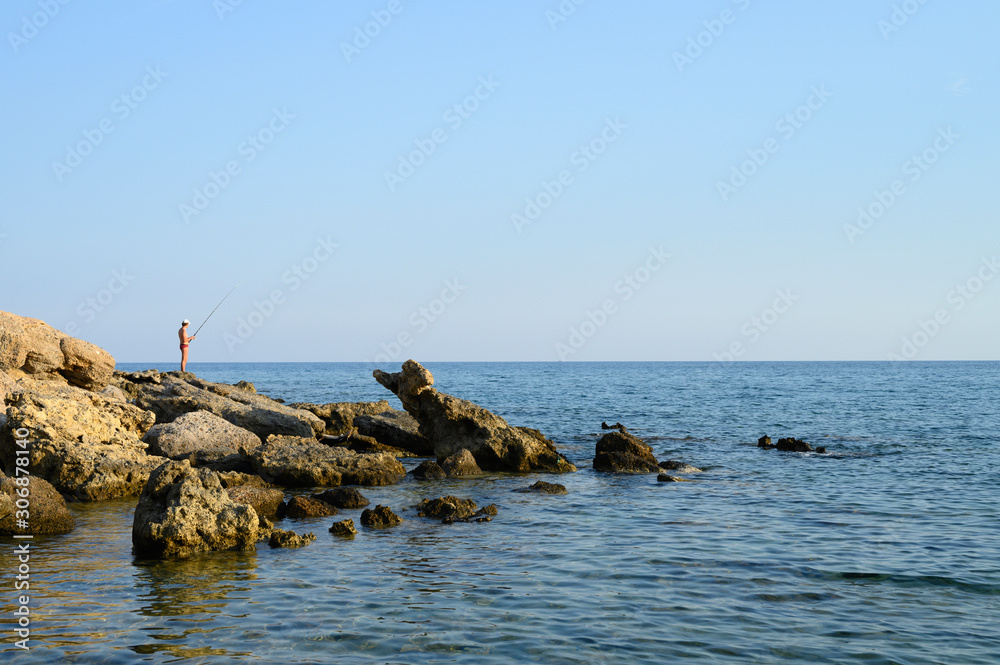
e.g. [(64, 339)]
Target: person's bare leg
[(184, 360)]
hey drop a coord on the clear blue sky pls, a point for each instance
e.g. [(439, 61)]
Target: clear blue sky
[(311, 117)]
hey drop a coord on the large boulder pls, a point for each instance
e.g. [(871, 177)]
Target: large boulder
[(461, 464), (201, 436), (338, 417), (170, 395), (88, 447), (621, 452), (305, 462), (184, 510), (47, 512), (36, 348), (397, 429), (451, 424)]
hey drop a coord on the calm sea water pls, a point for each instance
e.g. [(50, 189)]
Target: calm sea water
[(884, 550)]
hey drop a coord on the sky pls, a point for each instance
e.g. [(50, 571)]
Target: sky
[(581, 180)]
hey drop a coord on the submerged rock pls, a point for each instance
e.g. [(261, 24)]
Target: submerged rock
[(445, 507), (47, 509), (665, 478), (429, 470), (282, 538), (542, 487), (678, 467), (764, 442), (793, 445), (380, 516), (344, 528), (453, 424), (461, 464), (183, 511), (621, 452), (305, 462)]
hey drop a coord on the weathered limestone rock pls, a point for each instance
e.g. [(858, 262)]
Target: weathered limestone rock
[(451, 424), (344, 528), (302, 506), (397, 429), (85, 445), (429, 470), (36, 348), (338, 417), (171, 395), (445, 507), (305, 462), (266, 501), (793, 445), (202, 437), (183, 511), (345, 498), (47, 512), (542, 487), (380, 516), (461, 464), (621, 452), (282, 538)]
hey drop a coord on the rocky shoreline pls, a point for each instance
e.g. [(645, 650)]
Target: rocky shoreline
[(209, 462)]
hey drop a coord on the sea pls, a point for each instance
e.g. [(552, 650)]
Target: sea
[(885, 549)]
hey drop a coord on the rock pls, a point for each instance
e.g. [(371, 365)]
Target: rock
[(265, 501), (202, 437), (664, 478), (446, 507), (359, 443), (395, 428), (183, 511), (621, 452), (461, 464), (173, 394), (47, 509), (338, 417), (543, 487), (678, 467), (821, 450), (617, 426), (793, 445), (245, 385), (36, 348), (344, 528), (345, 498), (86, 446), (301, 506), (305, 462), (453, 424), (381, 516), (764, 442), (429, 470), (282, 538), (239, 479)]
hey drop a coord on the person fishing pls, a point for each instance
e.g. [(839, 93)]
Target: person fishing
[(185, 340)]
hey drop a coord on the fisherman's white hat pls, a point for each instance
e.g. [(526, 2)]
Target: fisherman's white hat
[(185, 322)]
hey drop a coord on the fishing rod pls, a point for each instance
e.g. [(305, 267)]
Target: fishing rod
[(213, 311)]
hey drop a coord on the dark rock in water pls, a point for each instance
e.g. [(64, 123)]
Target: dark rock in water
[(621, 452), (678, 467), (301, 506), (305, 462), (397, 429), (183, 511), (543, 487), (821, 449), (47, 510), (200, 435), (793, 445), (454, 424), (345, 498), (344, 528), (429, 470), (446, 506), (380, 516), (764, 442), (338, 417), (617, 426), (282, 538), (265, 501), (664, 478), (461, 464)]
